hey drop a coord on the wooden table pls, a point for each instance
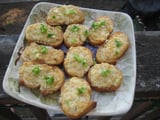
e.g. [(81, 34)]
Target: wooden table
[(147, 92)]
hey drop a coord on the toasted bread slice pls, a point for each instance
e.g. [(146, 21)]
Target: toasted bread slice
[(65, 15), (42, 54), (78, 61), (44, 34), (75, 35), (113, 49), (48, 79), (105, 77), (100, 30), (75, 98)]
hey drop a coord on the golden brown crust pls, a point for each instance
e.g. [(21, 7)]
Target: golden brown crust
[(100, 30), (44, 34), (32, 79), (104, 77), (78, 61), (74, 104), (113, 49), (50, 56), (90, 106), (65, 15)]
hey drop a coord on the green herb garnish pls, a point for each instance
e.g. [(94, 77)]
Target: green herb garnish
[(118, 43), (117, 52), (36, 70), (54, 17), (116, 81), (49, 80), (105, 73), (70, 12), (86, 33), (74, 28), (37, 55), (43, 28), (97, 25), (43, 49), (73, 41), (81, 90), (67, 102), (81, 60), (50, 35)]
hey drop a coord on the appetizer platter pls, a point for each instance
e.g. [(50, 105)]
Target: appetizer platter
[(75, 61)]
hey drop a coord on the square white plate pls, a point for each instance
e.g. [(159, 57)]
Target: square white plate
[(113, 103)]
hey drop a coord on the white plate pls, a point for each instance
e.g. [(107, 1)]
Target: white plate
[(113, 103)]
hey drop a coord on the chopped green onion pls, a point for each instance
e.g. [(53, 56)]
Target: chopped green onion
[(43, 49), (80, 60), (70, 12), (35, 51), (67, 102), (86, 33), (105, 73), (50, 35), (74, 28), (97, 25), (37, 55), (116, 81), (36, 70), (43, 28), (81, 90), (54, 17), (118, 43), (117, 52), (49, 80), (73, 41)]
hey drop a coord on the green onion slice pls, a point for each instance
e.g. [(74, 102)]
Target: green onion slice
[(118, 43), (70, 12), (50, 35), (43, 49), (99, 24), (49, 80), (81, 60), (81, 90), (43, 28), (36, 70), (105, 73), (86, 33), (75, 28)]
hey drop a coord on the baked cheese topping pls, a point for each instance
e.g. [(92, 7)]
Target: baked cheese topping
[(75, 35), (75, 95), (66, 14), (105, 75), (78, 61), (113, 48), (48, 55), (41, 75), (44, 34)]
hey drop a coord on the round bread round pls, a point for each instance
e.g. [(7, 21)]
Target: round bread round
[(48, 79), (65, 15), (78, 61), (42, 54), (105, 77), (100, 30), (75, 35), (113, 49), (44, 34), (75, 98)]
